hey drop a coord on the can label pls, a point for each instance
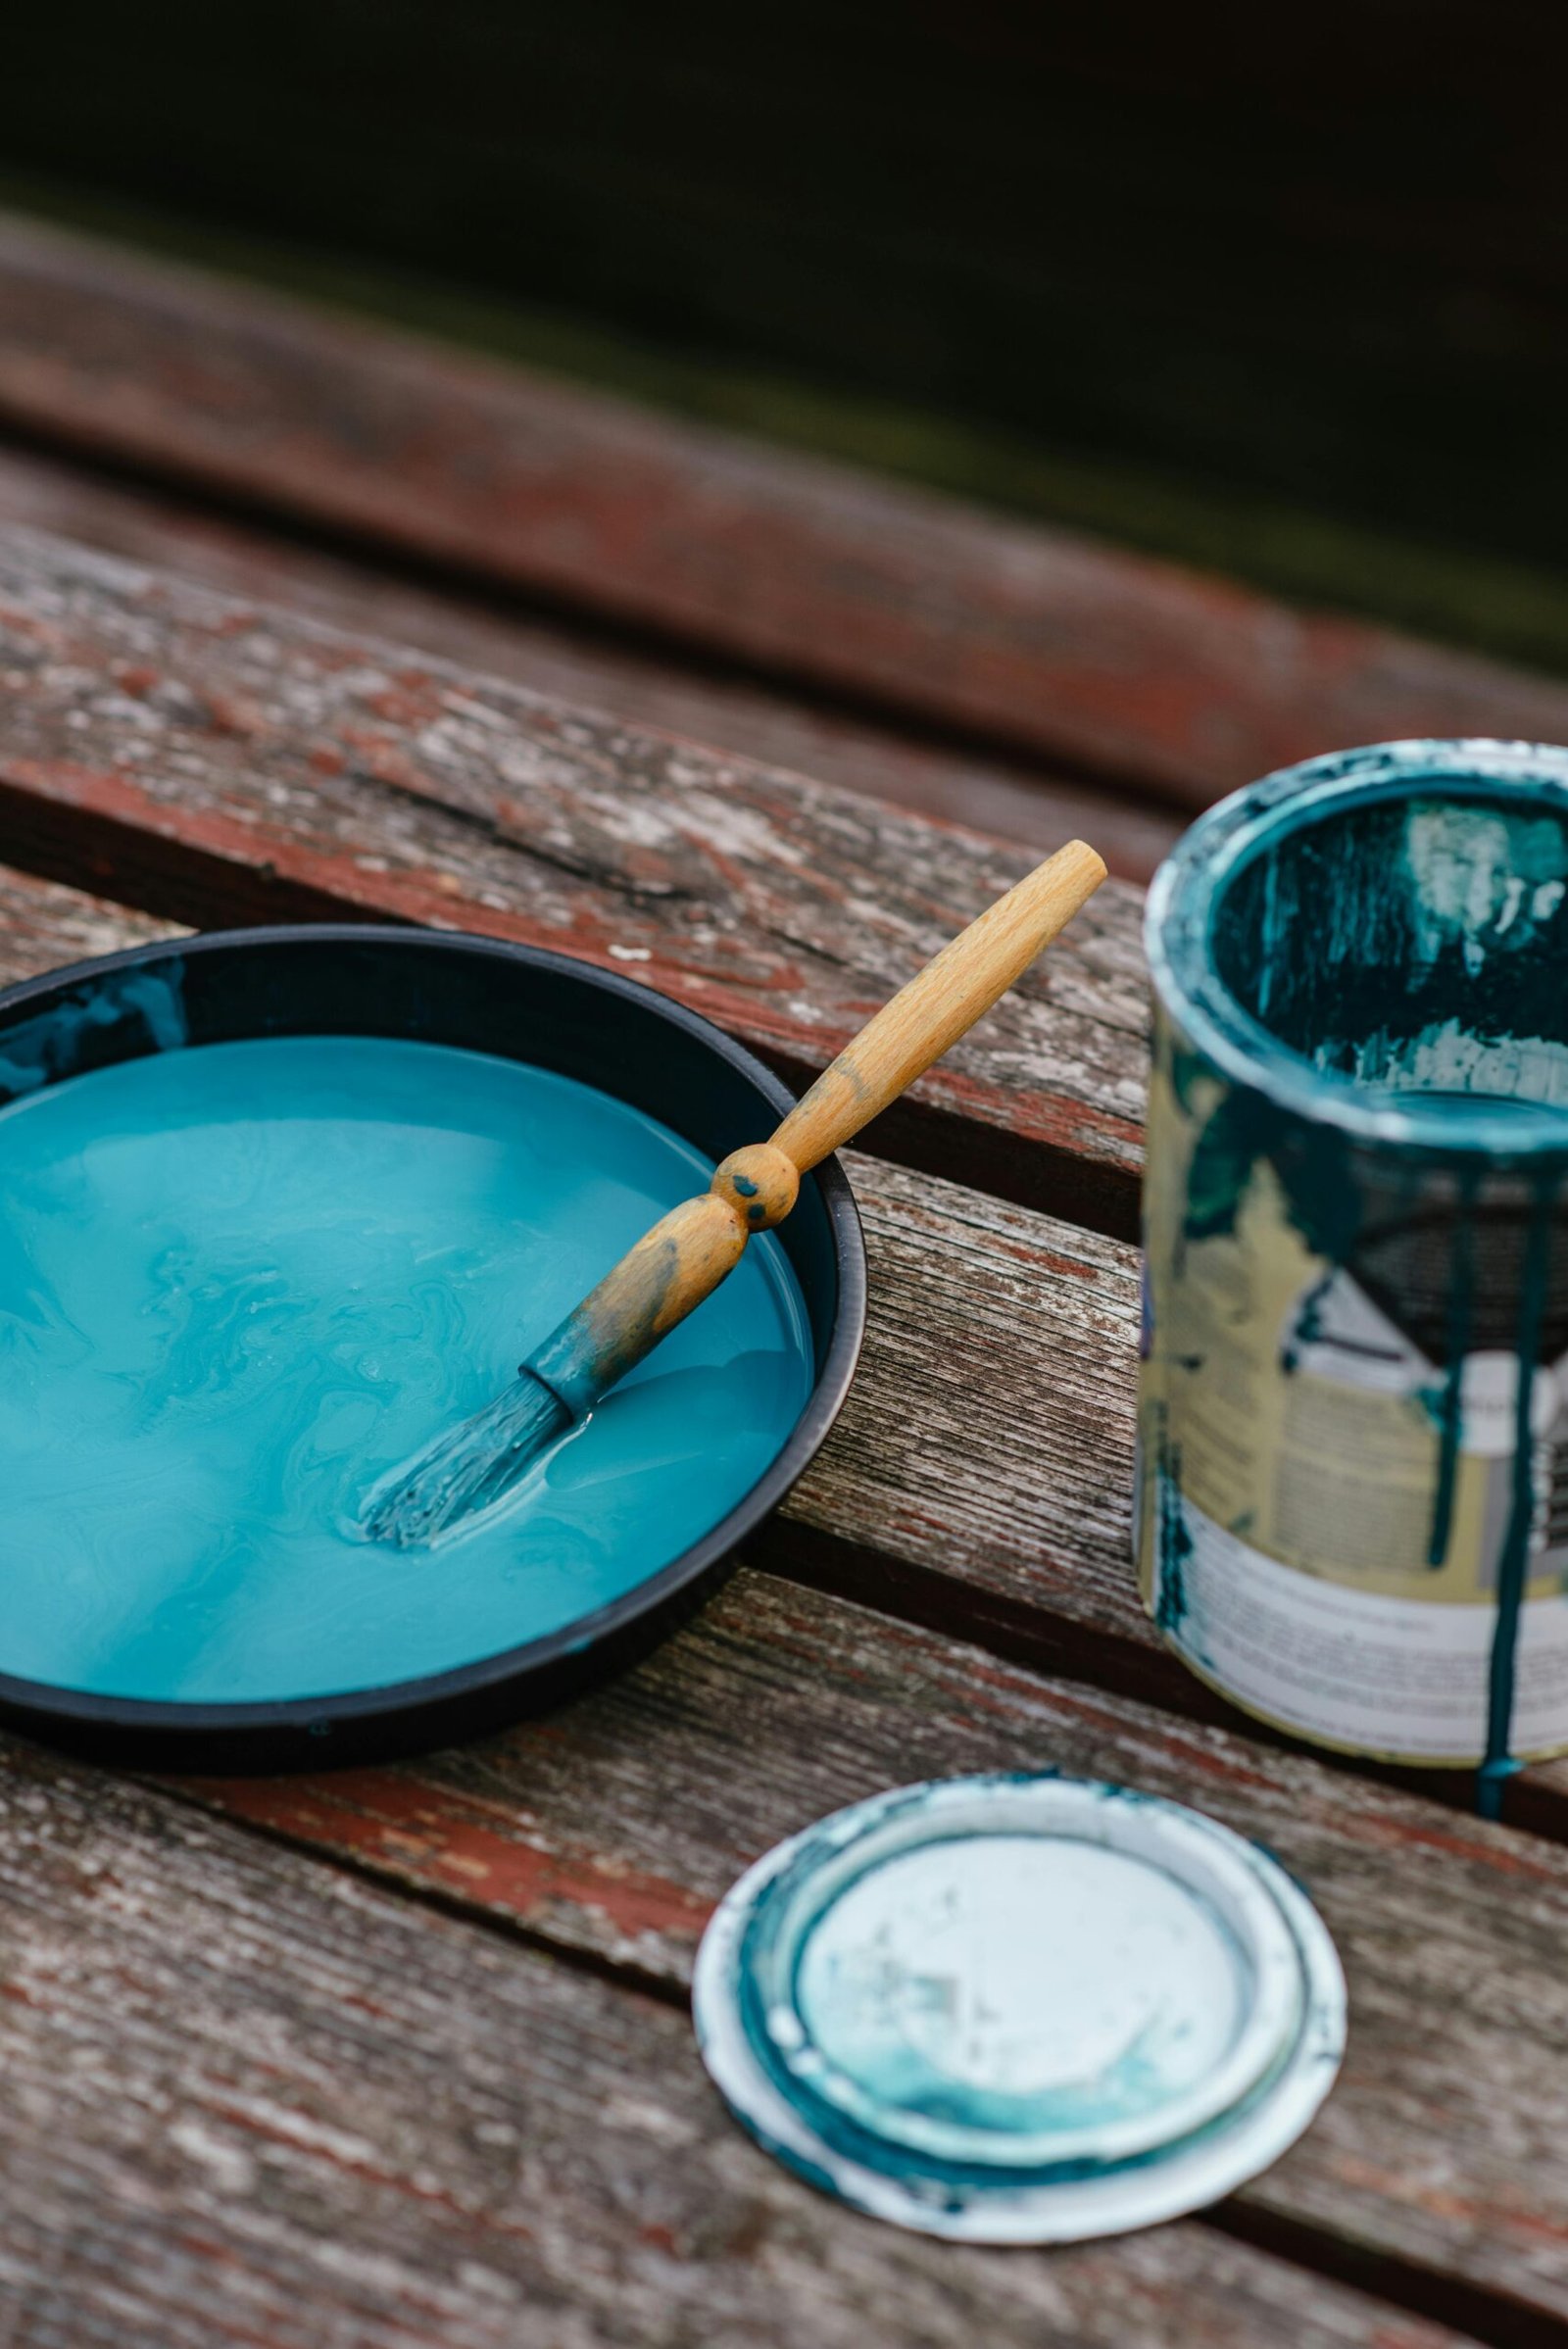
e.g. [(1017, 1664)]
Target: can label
[(1329, 1456)]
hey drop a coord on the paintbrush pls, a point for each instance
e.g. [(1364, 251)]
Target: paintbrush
[(684, 1257)]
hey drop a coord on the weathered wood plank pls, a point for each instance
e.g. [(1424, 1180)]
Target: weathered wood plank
[(980, 1476), (212, 761), (809, 573), (43, 924), (613, 1826), (250, 2099), (1016, 800)]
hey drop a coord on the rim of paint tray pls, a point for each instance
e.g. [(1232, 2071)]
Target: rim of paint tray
[(412, 1714), (1190, 887)]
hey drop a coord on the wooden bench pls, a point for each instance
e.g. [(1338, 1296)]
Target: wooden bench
[(399, 2055)]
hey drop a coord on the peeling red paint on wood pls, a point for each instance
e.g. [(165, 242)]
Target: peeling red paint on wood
[(453, 1843), (44, 926)]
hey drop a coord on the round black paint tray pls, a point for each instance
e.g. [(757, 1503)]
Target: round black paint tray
[(474, 997)]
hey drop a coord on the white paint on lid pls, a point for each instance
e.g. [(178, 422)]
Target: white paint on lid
[(1021, 2009)]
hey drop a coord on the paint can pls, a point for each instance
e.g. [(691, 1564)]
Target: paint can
[(1353, 1507)]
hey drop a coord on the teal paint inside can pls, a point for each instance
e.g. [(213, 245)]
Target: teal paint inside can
[(1354, 1411)]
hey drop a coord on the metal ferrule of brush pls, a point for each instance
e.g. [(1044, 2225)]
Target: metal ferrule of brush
[(559, 1365)]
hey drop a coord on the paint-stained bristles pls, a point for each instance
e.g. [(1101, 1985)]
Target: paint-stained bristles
[(469, 1468)]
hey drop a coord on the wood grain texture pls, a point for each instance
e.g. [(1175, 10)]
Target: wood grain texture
[(613, 1826), (43, 924), (979, 1475), (216, 761), (1009, 1525), (608, 1831), (251, 2100), (666, 1274), (1027, 801), (808, 573)]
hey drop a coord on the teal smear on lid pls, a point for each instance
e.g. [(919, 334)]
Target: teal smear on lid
[(1017, 1986)]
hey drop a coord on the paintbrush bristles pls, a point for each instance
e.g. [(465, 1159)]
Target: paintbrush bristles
[(467, 1468)]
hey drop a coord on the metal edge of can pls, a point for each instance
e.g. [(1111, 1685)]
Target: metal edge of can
[(1186, 890)]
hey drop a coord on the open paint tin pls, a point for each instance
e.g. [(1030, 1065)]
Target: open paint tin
[(1353, 1405), (278, 1204), (1021, 2009)]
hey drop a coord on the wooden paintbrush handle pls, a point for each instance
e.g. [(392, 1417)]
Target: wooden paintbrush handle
[(656, 1283), (938, 1006), (684, 1257)]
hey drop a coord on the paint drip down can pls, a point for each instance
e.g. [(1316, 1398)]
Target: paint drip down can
[(1352, 1492)]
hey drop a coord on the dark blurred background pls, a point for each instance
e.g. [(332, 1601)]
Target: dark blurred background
[(1279, 291)]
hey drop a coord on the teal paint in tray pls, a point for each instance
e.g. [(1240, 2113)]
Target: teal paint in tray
[(1354, 1402), (239, 1282)]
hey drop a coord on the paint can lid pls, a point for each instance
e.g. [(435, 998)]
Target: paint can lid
[(1021, 2008)]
